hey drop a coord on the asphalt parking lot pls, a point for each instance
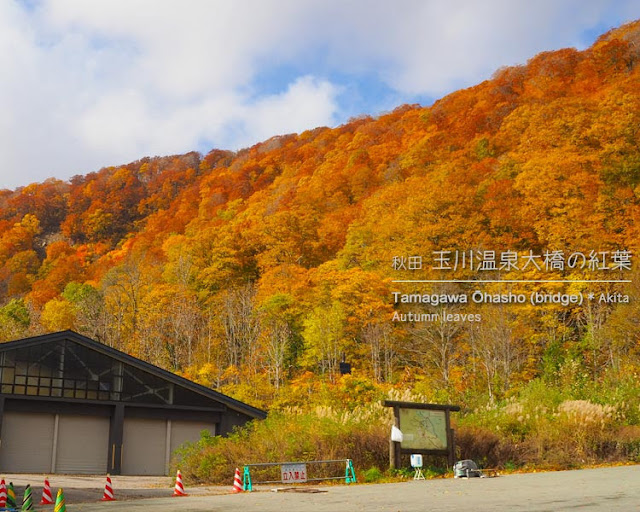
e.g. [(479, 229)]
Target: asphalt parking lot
[(602, 489)]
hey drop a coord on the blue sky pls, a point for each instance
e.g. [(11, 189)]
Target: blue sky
[(91, 84)]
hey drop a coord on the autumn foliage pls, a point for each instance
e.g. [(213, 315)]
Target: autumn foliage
[(256, 272)]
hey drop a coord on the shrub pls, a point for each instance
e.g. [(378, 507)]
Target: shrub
[(373, 474), (542, 426), (323, 433)]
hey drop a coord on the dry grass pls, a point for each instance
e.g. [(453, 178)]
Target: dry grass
[(572, 434), (539, 428), (323, 433)]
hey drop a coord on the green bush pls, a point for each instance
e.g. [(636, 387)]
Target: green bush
[(323, 433), (543, 425), (373, 474)]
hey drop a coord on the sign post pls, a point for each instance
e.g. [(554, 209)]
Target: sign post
[(426, 429)]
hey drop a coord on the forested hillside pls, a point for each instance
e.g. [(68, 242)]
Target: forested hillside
[(257, 271)]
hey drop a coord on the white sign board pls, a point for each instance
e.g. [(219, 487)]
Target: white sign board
[(292, 473), (396, 434)]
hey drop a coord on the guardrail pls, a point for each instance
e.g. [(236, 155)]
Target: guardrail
[(296, 472)]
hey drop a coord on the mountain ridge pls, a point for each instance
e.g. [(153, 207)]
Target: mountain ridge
[(239, 266)]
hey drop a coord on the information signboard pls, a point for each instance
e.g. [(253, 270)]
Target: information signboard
[(423, 429)]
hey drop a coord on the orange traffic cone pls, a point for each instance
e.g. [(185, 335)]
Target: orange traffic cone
[(3, 494), (179, 488), (237, 482), (108, 491), (47, 498)]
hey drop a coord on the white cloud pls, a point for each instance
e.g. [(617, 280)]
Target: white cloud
[(307, 98), (89, 84), (128, 121)]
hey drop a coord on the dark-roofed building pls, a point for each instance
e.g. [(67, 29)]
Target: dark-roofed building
[(69, 404)]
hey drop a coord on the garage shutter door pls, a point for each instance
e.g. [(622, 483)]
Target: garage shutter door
[(144, 447), (183, 431), (83, 444), (27, 442), (145, 443)]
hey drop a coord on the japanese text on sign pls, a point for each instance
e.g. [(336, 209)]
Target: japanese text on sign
[(292, 473), (512, 260)]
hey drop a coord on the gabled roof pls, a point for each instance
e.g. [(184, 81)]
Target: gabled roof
[(73, 336)]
